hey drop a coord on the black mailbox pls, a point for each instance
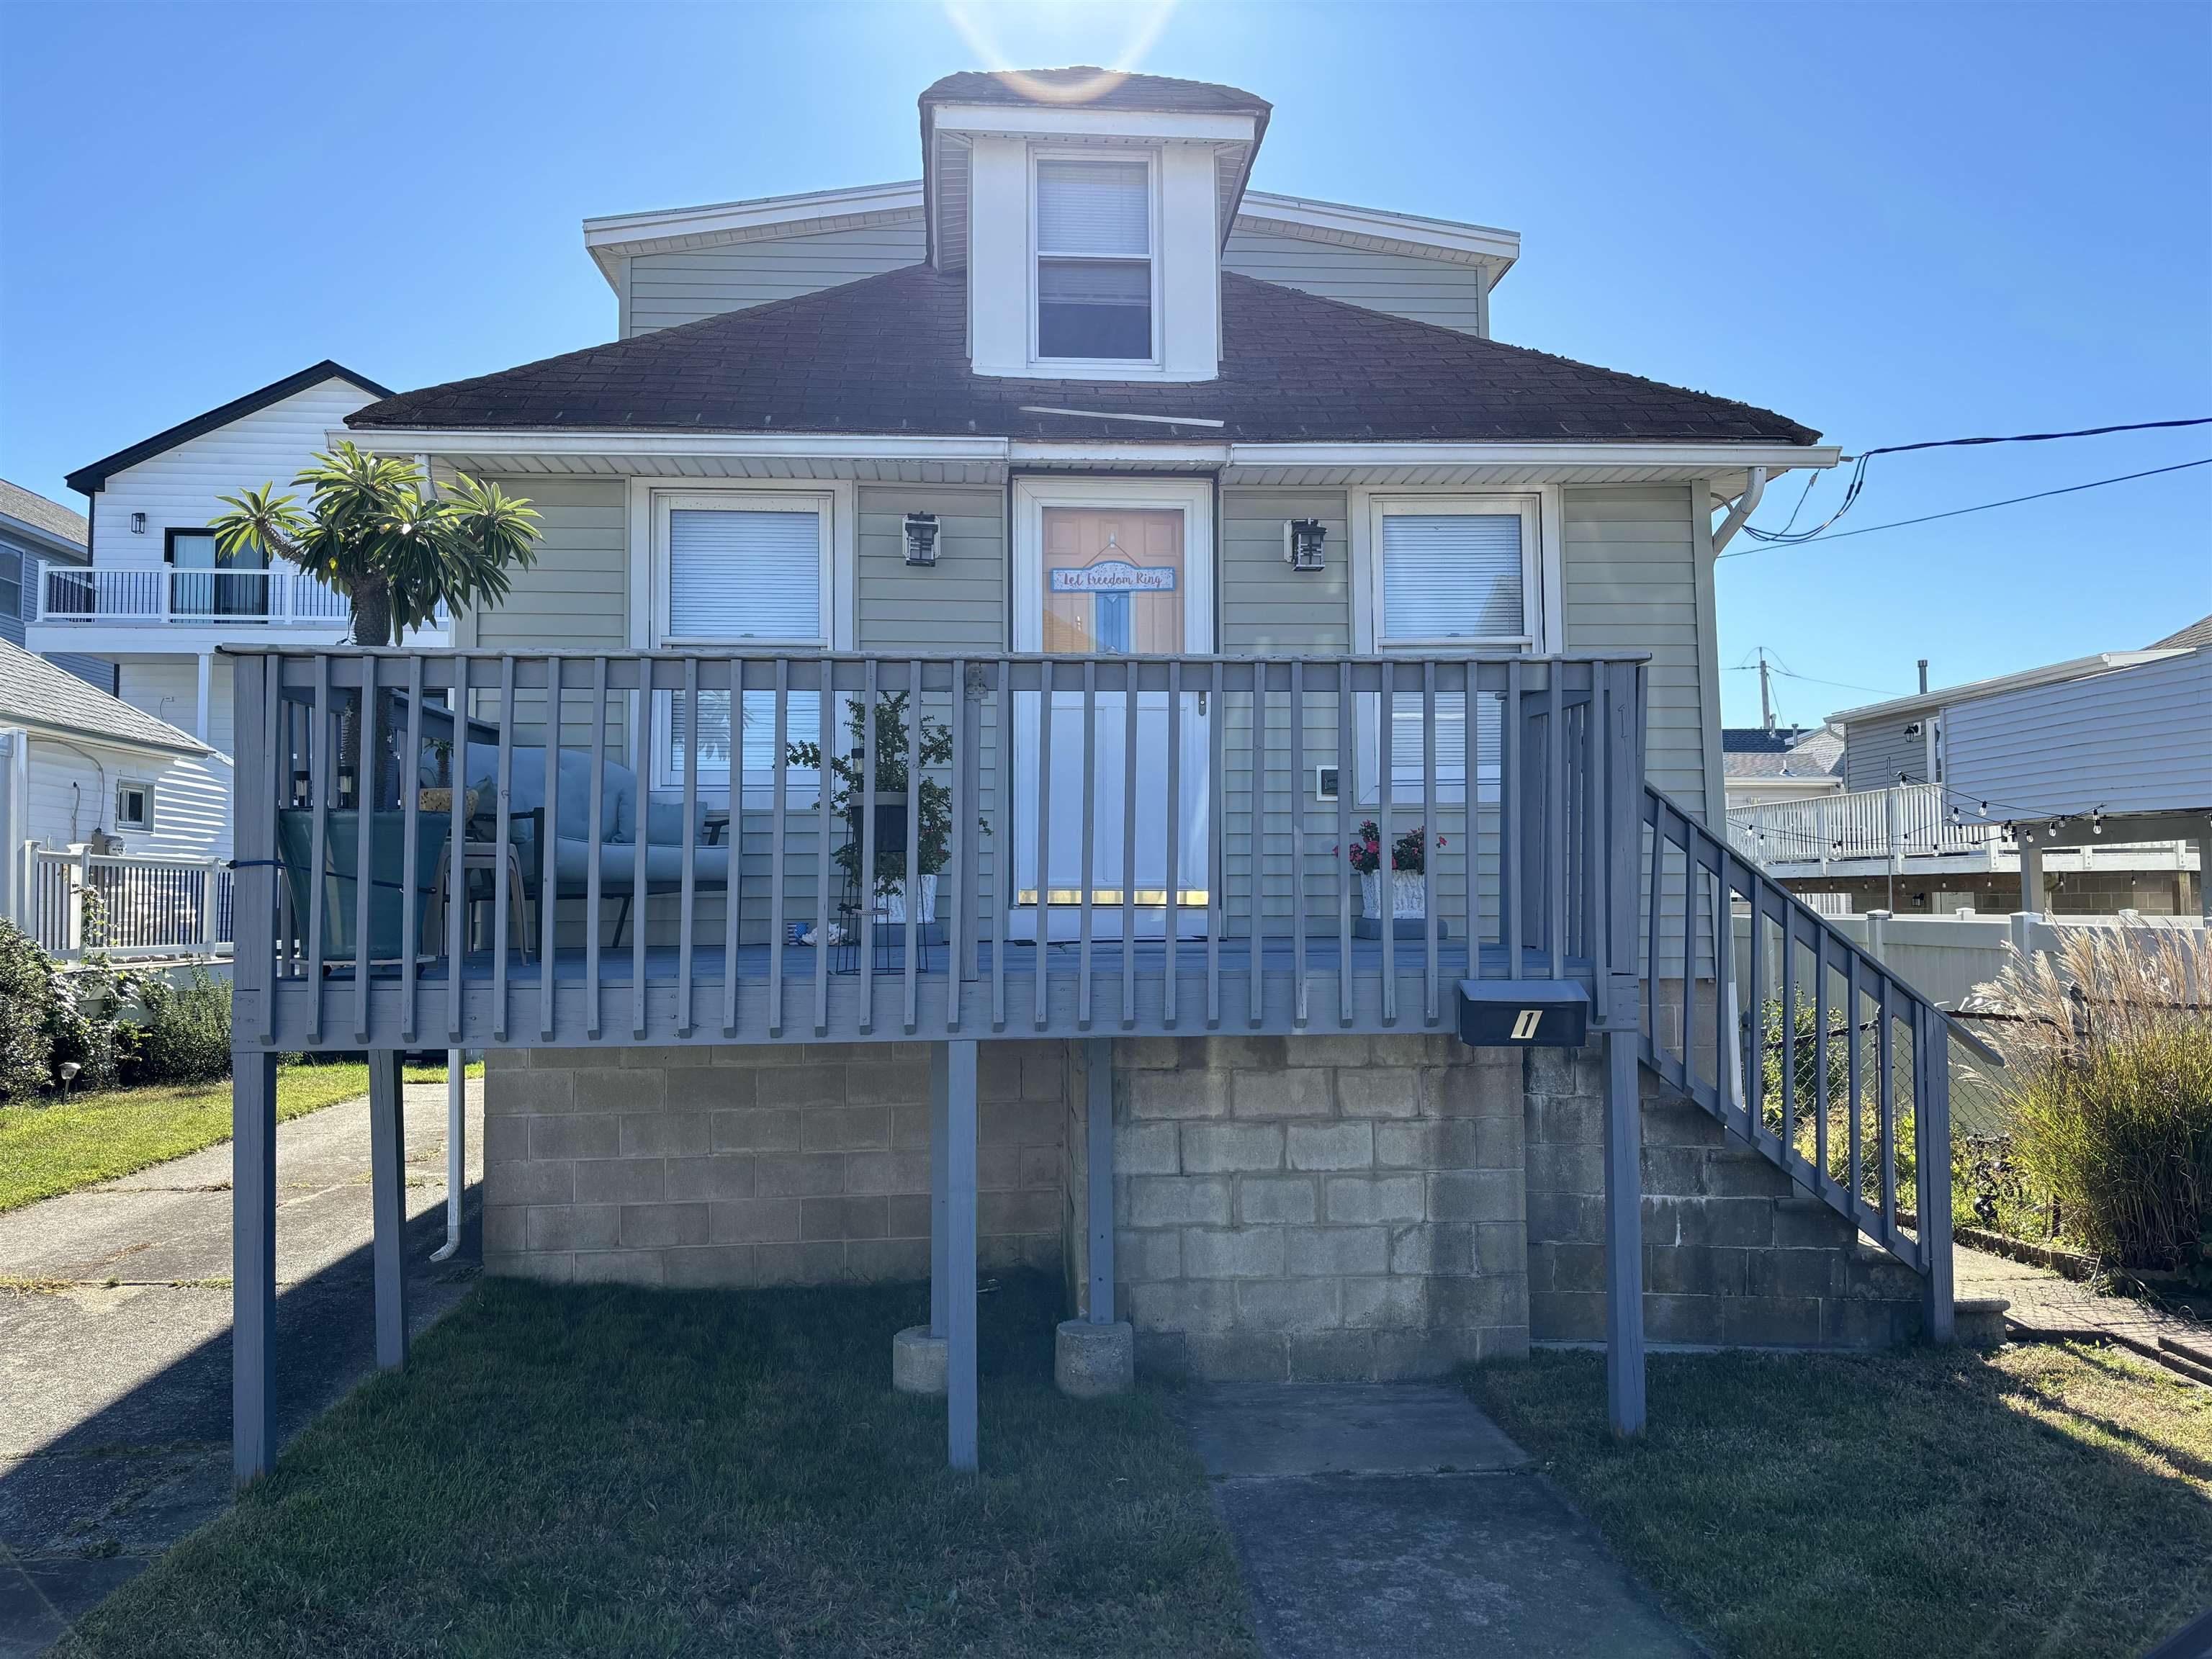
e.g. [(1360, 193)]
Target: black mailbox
[(1522, 1013)]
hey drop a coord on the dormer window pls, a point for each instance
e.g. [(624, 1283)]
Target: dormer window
[(1094, 258)]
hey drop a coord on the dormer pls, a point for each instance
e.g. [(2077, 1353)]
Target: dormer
[(1089, 209)]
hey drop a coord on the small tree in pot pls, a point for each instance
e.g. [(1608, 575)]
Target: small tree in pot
[(896, 796)]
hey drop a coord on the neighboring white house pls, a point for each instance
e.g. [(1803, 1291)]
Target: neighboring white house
[(94, 791), (1792, 763), (2084, 785), (158, 601)]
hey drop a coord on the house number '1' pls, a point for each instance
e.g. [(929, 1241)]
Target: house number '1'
[(1525, 1027)]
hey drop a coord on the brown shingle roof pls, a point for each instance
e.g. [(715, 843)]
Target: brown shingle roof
[(887, 354), (1088, 87)]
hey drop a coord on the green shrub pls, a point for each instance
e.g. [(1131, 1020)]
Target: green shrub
[(185, 1035), (2108, 1075), (1801, 1046), (26, 1043)]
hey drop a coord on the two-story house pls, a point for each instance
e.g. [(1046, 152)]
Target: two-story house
[(33, 533), (157, 600), (1202, 529)]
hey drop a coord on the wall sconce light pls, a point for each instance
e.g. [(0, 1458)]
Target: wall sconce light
[(138, 524), (921, 539), (1301, 542)]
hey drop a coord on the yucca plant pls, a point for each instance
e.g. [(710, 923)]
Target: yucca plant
[(374, 532), (2108, 1078)]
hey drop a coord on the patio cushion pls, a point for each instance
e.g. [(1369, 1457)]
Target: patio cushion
[(664, 865)]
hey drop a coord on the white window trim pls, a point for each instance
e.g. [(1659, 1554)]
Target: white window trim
[(1100, 368), (650, 501), (1542, 554), (1367, 555), (146, 826)]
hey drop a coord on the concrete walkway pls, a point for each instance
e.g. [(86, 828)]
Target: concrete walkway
[(2046, 1306), (1396, 1519), (115, 1391)]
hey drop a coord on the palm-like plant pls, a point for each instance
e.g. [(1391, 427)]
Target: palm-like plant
[(372, 532)]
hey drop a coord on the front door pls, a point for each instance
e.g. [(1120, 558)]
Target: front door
[(1104, 579)]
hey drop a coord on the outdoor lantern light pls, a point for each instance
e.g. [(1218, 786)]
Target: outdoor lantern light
[(138, 524), (921, 539), (69, 1069), (1301, 542)]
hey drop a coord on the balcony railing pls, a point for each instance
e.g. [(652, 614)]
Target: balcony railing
[(78, 901), (270, 597), (1907, 820), (644, 859)]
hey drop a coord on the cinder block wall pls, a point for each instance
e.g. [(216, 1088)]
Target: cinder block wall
[(1318, 1208), (758, 1165), (1732, 1252)]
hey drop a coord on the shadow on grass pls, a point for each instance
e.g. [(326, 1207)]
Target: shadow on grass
[(129, 1478), (609, 1470), (2035, 1500)]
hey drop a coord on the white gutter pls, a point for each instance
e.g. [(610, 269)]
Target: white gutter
[(1745, 505), (1707, 457)]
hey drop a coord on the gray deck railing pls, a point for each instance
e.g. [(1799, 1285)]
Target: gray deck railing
[(1777, 1023), (691, 896)]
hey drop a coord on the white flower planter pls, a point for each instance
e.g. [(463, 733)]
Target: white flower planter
[(890, 908), (1408, 901)]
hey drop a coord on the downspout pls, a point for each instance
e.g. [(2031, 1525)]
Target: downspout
[(1745, 505)]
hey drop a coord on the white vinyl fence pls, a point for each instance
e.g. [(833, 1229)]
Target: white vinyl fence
[(127, 905)]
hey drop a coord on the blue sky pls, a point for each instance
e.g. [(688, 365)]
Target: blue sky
[(1892, 223)]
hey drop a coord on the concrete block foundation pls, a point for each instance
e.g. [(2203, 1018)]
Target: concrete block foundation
[(1286, 1209)]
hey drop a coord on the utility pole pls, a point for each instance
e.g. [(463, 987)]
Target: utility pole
[(1766, 695)]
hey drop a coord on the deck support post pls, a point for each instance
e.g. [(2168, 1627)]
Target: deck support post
[(1623, 1236), (387, 1172), (940, 1100), (253, 1262), (1095, 1354), (1099, 1083), (959, 1063)]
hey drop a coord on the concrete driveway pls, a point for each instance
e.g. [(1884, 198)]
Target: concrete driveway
[(1396, 1519), (115, 1388)]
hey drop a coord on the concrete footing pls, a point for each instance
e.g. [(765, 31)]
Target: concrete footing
[(1978, 1321), (918, 1361), (1089, 1359)]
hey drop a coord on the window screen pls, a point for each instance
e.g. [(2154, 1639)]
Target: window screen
[(755, 735), (1451, 576), (1094, 259), (11, 583), (740, 574)]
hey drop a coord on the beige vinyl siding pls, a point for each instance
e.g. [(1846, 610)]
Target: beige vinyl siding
[(1876, 750), (576, 596), (1629, 584), (685, 284), (1266, 609), (1424, 290)]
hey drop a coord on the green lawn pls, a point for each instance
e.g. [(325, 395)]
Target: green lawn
[(604, 1471), (48, 1150), (2033, 1500)]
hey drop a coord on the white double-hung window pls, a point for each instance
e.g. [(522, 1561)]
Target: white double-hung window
[(1448, 575), (747, 573), (1094, 286)]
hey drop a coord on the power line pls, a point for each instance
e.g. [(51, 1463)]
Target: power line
[(1959, 512), (1786, 535)]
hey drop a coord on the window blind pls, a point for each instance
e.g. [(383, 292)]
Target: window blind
[(1451, 746), (756, 735), (1093, 208), (740, 574), (1452, 575)]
